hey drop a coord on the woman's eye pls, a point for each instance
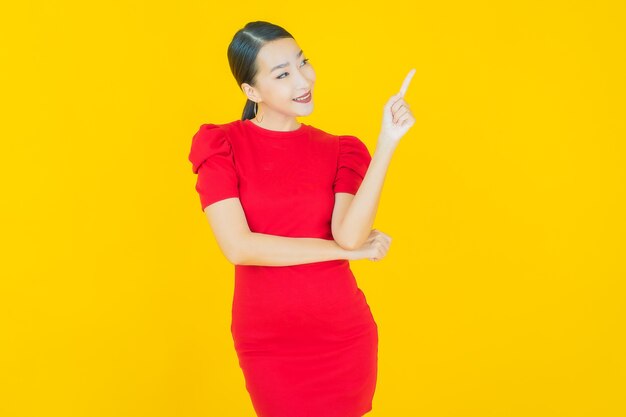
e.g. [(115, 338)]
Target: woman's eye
[(284, 73)]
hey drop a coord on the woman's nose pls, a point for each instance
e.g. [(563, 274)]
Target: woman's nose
[(303, 81)]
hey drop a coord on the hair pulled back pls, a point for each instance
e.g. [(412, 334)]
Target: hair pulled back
[(243, 51)]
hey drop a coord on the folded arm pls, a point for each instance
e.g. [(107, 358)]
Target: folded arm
[(243, 247), (353, 215)]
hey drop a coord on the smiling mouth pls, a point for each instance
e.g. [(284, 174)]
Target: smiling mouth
[(304, 97)]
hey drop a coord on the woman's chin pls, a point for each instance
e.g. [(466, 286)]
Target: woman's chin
[(306, 112)]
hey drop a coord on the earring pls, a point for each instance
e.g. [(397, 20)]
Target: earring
[(255, 110)]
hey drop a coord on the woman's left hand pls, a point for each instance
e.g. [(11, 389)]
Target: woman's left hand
[(397, 116)]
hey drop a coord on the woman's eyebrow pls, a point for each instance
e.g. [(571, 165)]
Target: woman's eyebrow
[(286, 63)]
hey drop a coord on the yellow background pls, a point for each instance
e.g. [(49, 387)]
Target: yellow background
[(502, 294)]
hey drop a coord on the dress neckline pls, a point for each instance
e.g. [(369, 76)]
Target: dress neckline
[(276, 133)]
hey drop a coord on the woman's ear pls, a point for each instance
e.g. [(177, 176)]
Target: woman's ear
[(250, 92)]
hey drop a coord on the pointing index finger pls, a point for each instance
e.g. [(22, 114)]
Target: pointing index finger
[(406, 82)]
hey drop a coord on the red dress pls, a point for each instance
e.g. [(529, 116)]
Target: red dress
[(305, 337)]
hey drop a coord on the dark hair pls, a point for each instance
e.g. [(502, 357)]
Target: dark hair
[(242, 53)]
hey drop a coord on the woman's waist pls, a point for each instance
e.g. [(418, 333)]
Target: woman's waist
[(314, 283), (308, 268)]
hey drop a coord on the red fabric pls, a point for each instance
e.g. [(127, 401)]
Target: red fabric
[(305, 337)]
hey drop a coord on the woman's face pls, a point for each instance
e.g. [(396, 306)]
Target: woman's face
[(283, 74)]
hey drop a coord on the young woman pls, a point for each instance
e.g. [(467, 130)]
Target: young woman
[(290, 205)]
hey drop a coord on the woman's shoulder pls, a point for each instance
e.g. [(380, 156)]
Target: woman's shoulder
[(234, 130), (212, 139), (225, 127), (335, 137), (230, 132), (342, 140)]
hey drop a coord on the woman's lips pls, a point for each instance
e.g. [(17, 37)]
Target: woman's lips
[(306, 100)]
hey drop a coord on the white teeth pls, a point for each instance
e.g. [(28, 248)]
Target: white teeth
[(303, 98)]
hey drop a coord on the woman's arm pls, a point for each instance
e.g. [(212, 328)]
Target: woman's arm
[(271, 250), (243, 247), (353, 216)]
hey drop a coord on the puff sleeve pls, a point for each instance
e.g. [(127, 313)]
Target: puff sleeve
[(212, 160), (352, 164)]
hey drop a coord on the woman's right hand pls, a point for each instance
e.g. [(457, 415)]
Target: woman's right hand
[(397, 116), (375, 247)]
